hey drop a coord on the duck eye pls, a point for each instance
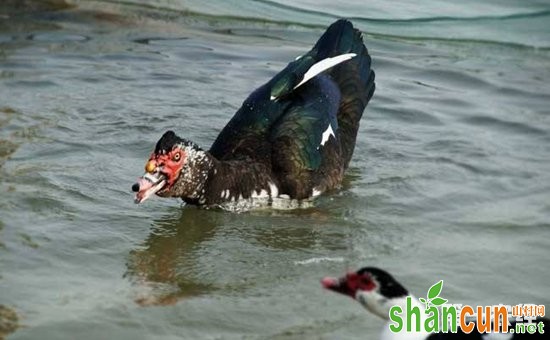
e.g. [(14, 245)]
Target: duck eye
[(176, 157)]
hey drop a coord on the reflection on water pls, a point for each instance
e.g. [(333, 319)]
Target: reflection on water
[(169, 264), (449, 172), (166, 261)]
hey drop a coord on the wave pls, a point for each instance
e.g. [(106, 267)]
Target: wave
[(484, 29), (316, 260), (526, 15)]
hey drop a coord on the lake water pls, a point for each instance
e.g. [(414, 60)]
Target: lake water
[(450, 178)]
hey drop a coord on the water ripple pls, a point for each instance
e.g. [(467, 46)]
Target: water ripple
[(504, 125)]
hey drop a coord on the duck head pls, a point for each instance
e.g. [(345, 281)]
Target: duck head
[(374, 288), (176, 168)]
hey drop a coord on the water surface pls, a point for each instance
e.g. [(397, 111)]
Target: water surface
[(450, 178)]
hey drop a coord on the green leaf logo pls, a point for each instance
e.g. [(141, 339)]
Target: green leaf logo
[(435, 290), (433, 296), (438, 301)]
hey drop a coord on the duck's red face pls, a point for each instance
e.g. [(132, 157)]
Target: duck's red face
[(163, 168), (168, 164), (350, 283), (176, 168), (161, 172)]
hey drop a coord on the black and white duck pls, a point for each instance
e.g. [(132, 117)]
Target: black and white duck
[(292, 138), (378, 291)]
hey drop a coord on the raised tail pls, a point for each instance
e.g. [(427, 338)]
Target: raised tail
[(355, 78), (341, 53)]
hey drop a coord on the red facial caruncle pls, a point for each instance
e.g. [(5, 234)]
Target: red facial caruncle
[(350, 284), (169, 164), (360, 282)]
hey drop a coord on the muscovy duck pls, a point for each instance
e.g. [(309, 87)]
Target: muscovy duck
[(377, 291), (292, 138)]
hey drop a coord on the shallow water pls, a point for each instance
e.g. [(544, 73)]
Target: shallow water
[(450, 178)]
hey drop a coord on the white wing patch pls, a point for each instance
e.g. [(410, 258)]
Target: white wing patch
[(274, 191), (326, 135), (262, 194), (323, 65)]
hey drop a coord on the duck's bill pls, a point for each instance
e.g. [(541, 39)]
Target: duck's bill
[(147, 185), (338, 285)]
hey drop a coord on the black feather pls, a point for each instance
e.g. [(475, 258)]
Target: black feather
[(166, 142), (298, 140), (389, 287), (169, 139)]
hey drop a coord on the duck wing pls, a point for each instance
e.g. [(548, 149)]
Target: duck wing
[(305, 141), (247, 135), (313, 141)]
